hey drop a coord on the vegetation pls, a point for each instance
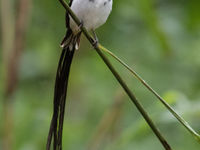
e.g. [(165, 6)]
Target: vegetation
[(160, 39)]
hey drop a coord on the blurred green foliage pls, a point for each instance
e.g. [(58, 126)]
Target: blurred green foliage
[(159, 38)]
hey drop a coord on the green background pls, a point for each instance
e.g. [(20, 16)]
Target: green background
[(160, 39)]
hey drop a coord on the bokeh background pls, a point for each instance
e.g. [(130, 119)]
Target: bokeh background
[(160, 39)]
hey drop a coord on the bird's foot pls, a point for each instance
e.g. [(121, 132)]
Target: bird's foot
[(95, 43), (95, 40), (80, 25)]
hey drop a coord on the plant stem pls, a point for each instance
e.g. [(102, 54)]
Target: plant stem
[(174, 113), (134, 100), (119, 79)]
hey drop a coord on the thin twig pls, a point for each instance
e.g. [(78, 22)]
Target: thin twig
[(174, 113), (118, 77), (134, 100), (180, 119)]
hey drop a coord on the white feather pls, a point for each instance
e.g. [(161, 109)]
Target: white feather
[(93, 13)]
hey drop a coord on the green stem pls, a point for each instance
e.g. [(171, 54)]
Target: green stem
[(134, 100), (119, 79), (175, 114)]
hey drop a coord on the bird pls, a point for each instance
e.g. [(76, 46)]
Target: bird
[(92, 14)]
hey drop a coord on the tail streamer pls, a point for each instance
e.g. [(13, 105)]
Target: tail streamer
[(60, 91)]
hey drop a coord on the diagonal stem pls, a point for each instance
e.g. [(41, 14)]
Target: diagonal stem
[(119, 79), (134, 100), (179, 118), (174, 113)]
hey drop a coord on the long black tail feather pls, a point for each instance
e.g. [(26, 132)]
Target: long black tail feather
[(60, 92)]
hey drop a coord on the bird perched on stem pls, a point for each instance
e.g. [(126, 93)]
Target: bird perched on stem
[(92, 13)]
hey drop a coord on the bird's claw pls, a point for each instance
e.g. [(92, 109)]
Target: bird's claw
[(80, 25), (95, 43), (95, 40)]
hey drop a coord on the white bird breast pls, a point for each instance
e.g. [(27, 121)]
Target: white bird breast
[(93, 13)]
